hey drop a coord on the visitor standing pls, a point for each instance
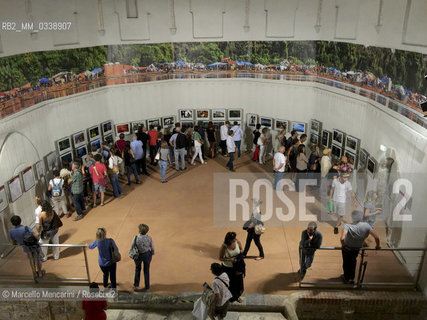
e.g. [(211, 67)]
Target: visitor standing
[(76, 181), (98, 172), (211, 138), (164, 161), (37, 211), (198, 143), (220, 287), (120, 144), (130, 159), (301, 166), (223, 130), (231, 149), (179, 142), (238, 136), (251, 227), (279, 165), (49, 224), (311, 240), (139, 154), (56, 188), (113, 173), (152, 134), (145, 248), (370, 209), (257, 134), (261, 143), (143, 137)]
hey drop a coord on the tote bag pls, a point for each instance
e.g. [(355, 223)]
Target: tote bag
[(115, 254)]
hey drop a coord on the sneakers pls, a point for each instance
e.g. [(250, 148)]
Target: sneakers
[(79, 217), (94, 205), (205, 162), (193, 164)]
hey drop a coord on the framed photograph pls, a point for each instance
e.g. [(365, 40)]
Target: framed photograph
[(278, 123), (15, 189), (363, 158), (326, 139), (3, 198), (352, 158), (314, 139), (218, 124), (338, 137), (218, 114), (186, 125), (52, 161), (63, 145), (235, 114), (336, 151), (94, 133), (168, 121), (203, 114), (315, 126), (109, 139), (123, 128), (79, 139), (186, 114), (251, 120), (372, 165), (352, 144), (301, 127), (96, 143), (40, 169), (135, 125), (28, 178), (107, 127), (156, 122), (81, 152), (266, 122), (67, 158)]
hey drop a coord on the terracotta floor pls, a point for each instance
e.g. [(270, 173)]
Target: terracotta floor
[(180, 216)]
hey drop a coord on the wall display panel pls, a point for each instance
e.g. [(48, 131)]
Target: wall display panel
[(3, 198), (123, 128), (203, 114), (315, 126), (63, 145), (135, 125), (372, 165), (352, 144), (363, 158), (338, 137), (314, 139), (81, 152), (96, 144), (235, 114), (219, 114), (301, 127), (67, 158), (168, 121), (94, 133), (107, 127), (79, 139), (336, 151), (251, 120), (185, 125), (266, 122), (15, 189), (52, 161), (279, 123), (351, 158), (40, 169), (155, 122), (28, 178), (186, 114), (109, 139), (326, 139)]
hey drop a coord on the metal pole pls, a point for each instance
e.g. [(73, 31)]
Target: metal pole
[(86, 264), (32, 265), (359, 276), (420, 267)]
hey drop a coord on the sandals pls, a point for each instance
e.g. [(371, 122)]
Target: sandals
[(259, 258)]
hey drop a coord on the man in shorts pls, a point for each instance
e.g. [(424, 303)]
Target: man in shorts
[(338, 195), (97, 171)]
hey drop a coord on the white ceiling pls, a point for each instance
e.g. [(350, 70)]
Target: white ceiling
[(399, 24)]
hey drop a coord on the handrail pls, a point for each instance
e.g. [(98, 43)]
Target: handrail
[(375, 249)]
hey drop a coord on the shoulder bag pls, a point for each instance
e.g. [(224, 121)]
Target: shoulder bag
[(101, 180), (134, 252), (115, 254)]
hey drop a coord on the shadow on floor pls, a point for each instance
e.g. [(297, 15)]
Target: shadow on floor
[(206, 250), (281, 281)]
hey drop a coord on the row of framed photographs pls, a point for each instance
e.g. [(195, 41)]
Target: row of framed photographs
[(210, 114), (253, 119), (130, 127), (336, 137)]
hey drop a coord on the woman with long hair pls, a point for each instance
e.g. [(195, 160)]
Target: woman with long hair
[(105, 256), (211, 138), (130, 162), (233, 264), (165, 160), (144, 244), (48, 230), (301, 165)]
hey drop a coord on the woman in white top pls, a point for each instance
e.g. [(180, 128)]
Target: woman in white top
[(113, 172), (38, 210), (261, 142), (279, 140), (230, 255)]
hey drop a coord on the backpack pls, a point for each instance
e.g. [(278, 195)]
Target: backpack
[(181, 141), (56, 189), (29, 239)]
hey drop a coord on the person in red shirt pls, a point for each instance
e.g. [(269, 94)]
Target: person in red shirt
[(97, 171), (153, 143), (120, 144), (94, 309)]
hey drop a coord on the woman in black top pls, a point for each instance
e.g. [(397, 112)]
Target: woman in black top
[(166, 137), (211, 138), (130, 164), (257, 134)]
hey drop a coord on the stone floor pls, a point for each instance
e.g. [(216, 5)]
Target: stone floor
[(180, 216)]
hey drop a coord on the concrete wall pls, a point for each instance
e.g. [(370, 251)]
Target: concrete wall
[(30, 134)]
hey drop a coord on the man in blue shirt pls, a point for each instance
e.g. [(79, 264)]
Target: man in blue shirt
[(20, 233), (138, 151), (238, 136)]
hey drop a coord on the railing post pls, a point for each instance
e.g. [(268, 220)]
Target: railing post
[(86, 264), (359, 276), (32, 265), (420, 268)]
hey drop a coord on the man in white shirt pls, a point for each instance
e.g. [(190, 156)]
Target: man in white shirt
[(325, 166), (279, 164), (238, 136), (220, 287), (338, 194), (231, 148), (223, 135)]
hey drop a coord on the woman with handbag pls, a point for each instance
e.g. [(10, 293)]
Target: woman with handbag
[(49, 223), (255, 228), (108, 256), (141, 251), (130, 162), (113, 172)]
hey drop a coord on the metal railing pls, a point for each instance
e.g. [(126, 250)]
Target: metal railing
[(359, 283), (56, 279)]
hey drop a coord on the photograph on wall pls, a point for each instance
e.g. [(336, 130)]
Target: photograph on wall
[(137, 124), (123, 128), (251, 120), (218, 114), (52, 161), (81, 152), (186, 114), (338, 137), (281, 124), (363, 158), (67, 159), (372, 165), (154, 122), (266, 122), (299, 126), (203, 114), (109, 139), (351, 158), (235, 114), (15, 189), (315, 126), (326, 139), (40, 169), (314, 139), (64, 145), (79, 138), (107, 127), (352, 144), (28, 178), (96, 144), (336, 151), (94, 133), (3, 198), (168, 121)]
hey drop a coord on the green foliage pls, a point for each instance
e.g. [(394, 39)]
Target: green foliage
[(11, 78)]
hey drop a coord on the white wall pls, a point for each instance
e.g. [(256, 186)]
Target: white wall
[(40, 126)]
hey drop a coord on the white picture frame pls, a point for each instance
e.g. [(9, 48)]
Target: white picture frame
[(67, 158), (363, 158), (315, 126), (64, 145), (94, 133), (186, 114), (326, 139), (251, 120), (40, 169), (372, 166), (107, 127), (338, 137), (352, 144), (156, 122), (351, 158), (168, 121), (124, 128), (136, 124), (79, 139), (266, 122), (314, 139), (279, 122), (336, 151), (52, 161), (96, 143), (81, 152), (219, 114), (300, 127), (203, 114), (15, 188), (28, 178), (4, 202), (235, 114)]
